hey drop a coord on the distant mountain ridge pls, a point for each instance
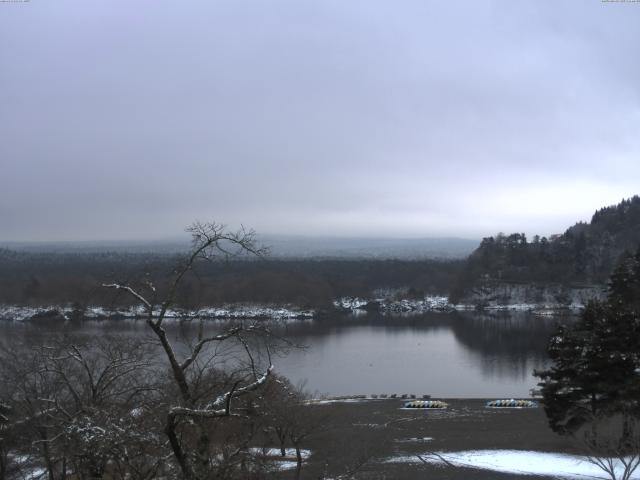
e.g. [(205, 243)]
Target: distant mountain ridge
[(369, 248), (282, 246)]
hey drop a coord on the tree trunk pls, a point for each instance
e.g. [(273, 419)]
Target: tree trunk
[(298, 462), (170, 431), (178, 373), (282, 436), (3, 464), (203, 452), (45, 453), (626, 431)]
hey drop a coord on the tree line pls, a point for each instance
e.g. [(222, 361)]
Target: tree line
[(65, 278)]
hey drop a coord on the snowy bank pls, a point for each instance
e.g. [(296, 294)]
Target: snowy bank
[(539, 300), (288, 462), (52, 312), (519, 462), (396, 306), (356, 305), (541, 297)]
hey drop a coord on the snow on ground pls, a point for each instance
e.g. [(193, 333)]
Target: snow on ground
[(350, 303), (436, 304), (254, 311), (288, 462), (520, 462), (428, 304), (336, 400), (275, 452), (22, 313), (285, 464), (355, 305), (390, 302), (414, 439), (388, 305), (28, 470)]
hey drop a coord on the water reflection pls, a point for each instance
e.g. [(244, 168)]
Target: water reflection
[(465, 354), (506, 345)]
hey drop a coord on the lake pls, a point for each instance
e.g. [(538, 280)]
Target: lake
[(460, 354)]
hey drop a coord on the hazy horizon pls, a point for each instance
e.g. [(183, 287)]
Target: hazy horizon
[(280, 246), (357, 119), (184, 236)]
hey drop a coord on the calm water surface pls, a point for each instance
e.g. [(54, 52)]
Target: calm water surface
[(466, 354)]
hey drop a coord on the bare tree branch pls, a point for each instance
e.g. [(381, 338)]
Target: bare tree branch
[(132, 292)]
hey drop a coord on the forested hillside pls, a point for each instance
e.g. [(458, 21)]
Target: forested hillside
[(586, 253)]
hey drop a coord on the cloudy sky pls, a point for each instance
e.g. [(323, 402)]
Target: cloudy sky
[(130, 119)]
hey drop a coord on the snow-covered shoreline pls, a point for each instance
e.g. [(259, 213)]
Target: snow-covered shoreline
[(358, 305), (538, 300), (349, 305), (54, 312)]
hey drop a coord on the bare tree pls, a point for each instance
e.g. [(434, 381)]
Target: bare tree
[(188, 423), (290, 419), (71, 401), (4, 454), (613, 444)]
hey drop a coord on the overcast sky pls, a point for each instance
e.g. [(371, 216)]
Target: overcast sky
[(130, 119)]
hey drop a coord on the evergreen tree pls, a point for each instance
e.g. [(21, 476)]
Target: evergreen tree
[(624, 285), (596, 362)]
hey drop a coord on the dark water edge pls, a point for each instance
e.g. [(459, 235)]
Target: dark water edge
[(456, 354)]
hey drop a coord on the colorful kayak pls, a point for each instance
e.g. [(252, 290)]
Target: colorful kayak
[(512, 403), (425, 404)]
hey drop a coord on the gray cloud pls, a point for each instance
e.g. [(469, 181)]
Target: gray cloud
[(129, 120)]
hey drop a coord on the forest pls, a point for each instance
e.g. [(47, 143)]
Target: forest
[(57, 278)]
